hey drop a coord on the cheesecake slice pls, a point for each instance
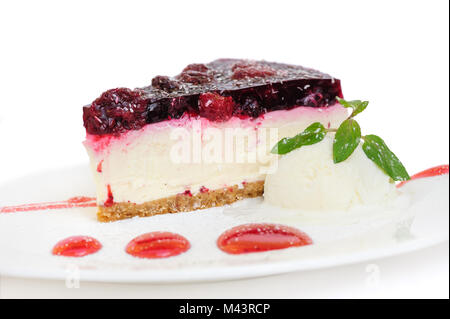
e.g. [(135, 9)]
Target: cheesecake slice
[(202, 138)]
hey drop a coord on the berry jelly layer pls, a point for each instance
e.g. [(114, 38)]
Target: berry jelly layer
[(193, 154), (216, 91)]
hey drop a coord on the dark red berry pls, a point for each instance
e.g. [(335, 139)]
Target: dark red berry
[(249, 107), (116, 110), (196, 74), (243, 70), (215, 107), (165, 83), (197, 67)]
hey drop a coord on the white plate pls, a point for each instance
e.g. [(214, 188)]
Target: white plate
[(27, 238)]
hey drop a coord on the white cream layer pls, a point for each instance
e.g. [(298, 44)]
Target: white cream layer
[(143, 165)]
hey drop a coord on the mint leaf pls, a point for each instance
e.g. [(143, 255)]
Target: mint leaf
[(380, 154), (359, 108), (357, 105), (311, 135), (346, 140)]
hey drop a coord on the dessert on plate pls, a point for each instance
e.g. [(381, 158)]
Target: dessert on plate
[(150, 148)]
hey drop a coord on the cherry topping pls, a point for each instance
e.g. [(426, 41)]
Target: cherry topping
[(76, 246), (165, 83), (249, 107), (251, 238), (196, 74), (434, 171), (255, 87), (116, 110), (215, 107), (245, 69), (157, 245), (110, 200)]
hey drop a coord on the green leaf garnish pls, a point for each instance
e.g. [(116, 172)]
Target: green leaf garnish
[(311, 135), (346, 140), (357, 105), (377, 150)]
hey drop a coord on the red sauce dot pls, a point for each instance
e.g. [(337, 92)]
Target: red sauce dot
[(250, 238), (76, 246), (187, 193), (204, 189), (157, 245), (434, 171)]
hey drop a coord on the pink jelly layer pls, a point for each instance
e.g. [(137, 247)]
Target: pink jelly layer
[(100, 143)]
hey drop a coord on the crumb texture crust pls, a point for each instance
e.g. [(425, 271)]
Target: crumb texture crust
[(181, 202)]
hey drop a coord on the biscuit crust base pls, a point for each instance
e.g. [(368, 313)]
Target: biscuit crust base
[(181, 202)]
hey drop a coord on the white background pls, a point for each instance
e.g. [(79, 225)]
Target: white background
[(57, 56)]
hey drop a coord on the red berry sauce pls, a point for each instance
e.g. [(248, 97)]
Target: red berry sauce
[(157, 245), (434, 171), (250, 238), (76, 246), (187, 193), (100, 166), (110, 200), (79, 201), (204, 189)]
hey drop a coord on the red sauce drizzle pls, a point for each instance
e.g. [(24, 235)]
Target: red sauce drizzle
[(99, 166), (157, 245), (76, 246), (434, 171), (250, 238), (79, 201), (110, 200)]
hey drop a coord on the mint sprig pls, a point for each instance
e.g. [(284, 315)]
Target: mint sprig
[(346, 140), (357, 105), (311, 135)]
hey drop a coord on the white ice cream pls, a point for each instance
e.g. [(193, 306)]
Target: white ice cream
[(308, 179)]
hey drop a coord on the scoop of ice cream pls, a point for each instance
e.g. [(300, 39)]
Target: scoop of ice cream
[(308, 179)]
